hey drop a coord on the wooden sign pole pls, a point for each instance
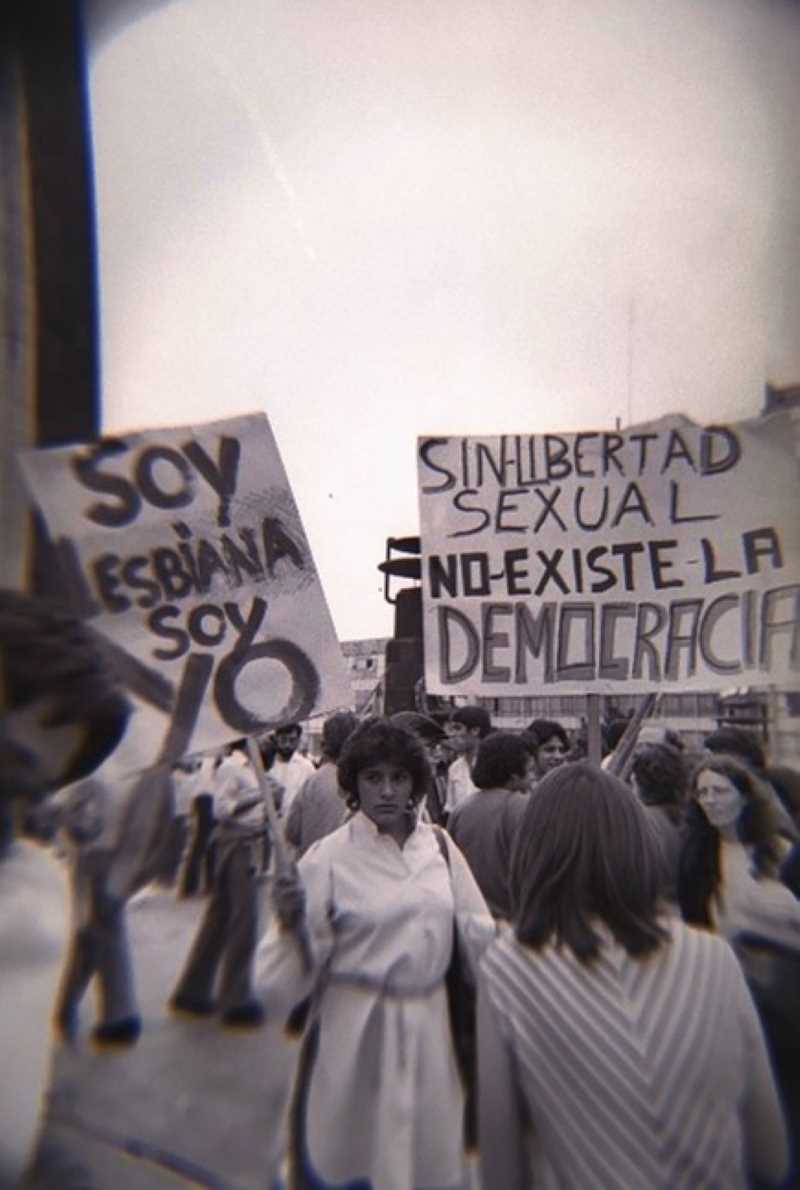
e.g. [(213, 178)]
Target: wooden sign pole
[(594, 743)]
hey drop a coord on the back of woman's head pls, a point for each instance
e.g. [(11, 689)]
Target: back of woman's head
[(501, 757), (378, 741), (585, 854)]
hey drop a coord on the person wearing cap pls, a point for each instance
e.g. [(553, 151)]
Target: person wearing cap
[(465, 728), (320, 806), (431, 734)]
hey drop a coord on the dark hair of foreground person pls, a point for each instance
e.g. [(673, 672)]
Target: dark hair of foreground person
[(585, 850), (47, 653)]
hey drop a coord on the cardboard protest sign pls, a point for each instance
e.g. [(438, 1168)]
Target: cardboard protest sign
[(663, 556), (185, 547)]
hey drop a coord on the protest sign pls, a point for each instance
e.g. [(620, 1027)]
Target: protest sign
[(663, 556), (185, 547)]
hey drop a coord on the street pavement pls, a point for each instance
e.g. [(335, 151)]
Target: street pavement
[(192, 1103)]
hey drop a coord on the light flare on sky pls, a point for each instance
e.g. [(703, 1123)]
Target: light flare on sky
[(378, 221)]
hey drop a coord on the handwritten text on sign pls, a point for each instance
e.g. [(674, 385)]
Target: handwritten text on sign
[(668, 553), (188, 540)]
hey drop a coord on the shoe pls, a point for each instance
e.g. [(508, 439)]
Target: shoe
[(244, 1016), (124, 1032), (192, 1005)]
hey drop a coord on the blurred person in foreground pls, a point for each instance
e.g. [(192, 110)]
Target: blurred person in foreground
[(486, 824), (617, 1046), (320, 806), (61, 714), (378, 1097)]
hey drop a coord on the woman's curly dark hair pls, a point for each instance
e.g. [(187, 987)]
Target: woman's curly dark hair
[(699, 869), (377, 741)]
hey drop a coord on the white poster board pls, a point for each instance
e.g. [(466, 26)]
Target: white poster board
[(665, 556), (186, 543)]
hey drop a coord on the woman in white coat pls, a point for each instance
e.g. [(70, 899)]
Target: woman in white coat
[(379, 1101)]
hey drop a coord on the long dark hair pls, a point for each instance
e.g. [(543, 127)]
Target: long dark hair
[(585, 852), (699, 873)]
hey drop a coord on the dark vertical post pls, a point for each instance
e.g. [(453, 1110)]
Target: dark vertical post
[(594, 741), (48, 316)]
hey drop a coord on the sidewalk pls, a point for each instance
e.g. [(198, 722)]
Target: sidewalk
[(191, 1103)]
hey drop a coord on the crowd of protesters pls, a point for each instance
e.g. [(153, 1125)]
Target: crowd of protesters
[(485, 940)]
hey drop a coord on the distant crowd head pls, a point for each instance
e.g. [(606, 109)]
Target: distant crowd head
[(548, 744), (466, 727), (659, 776), (336, 730), (287, 738), (503, 762)]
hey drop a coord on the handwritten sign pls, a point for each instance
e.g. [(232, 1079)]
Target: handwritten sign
[(185, 547), (664, 556)]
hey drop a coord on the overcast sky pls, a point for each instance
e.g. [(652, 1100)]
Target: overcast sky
[(378, 220)]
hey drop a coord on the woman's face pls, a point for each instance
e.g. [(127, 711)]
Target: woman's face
[(719, 799), (384, 789), (550, 755)]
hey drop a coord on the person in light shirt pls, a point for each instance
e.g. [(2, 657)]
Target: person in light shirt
[(465, 729), (728, 882), (289, 769), (217, 973), (731, 855), (379, 1101)]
